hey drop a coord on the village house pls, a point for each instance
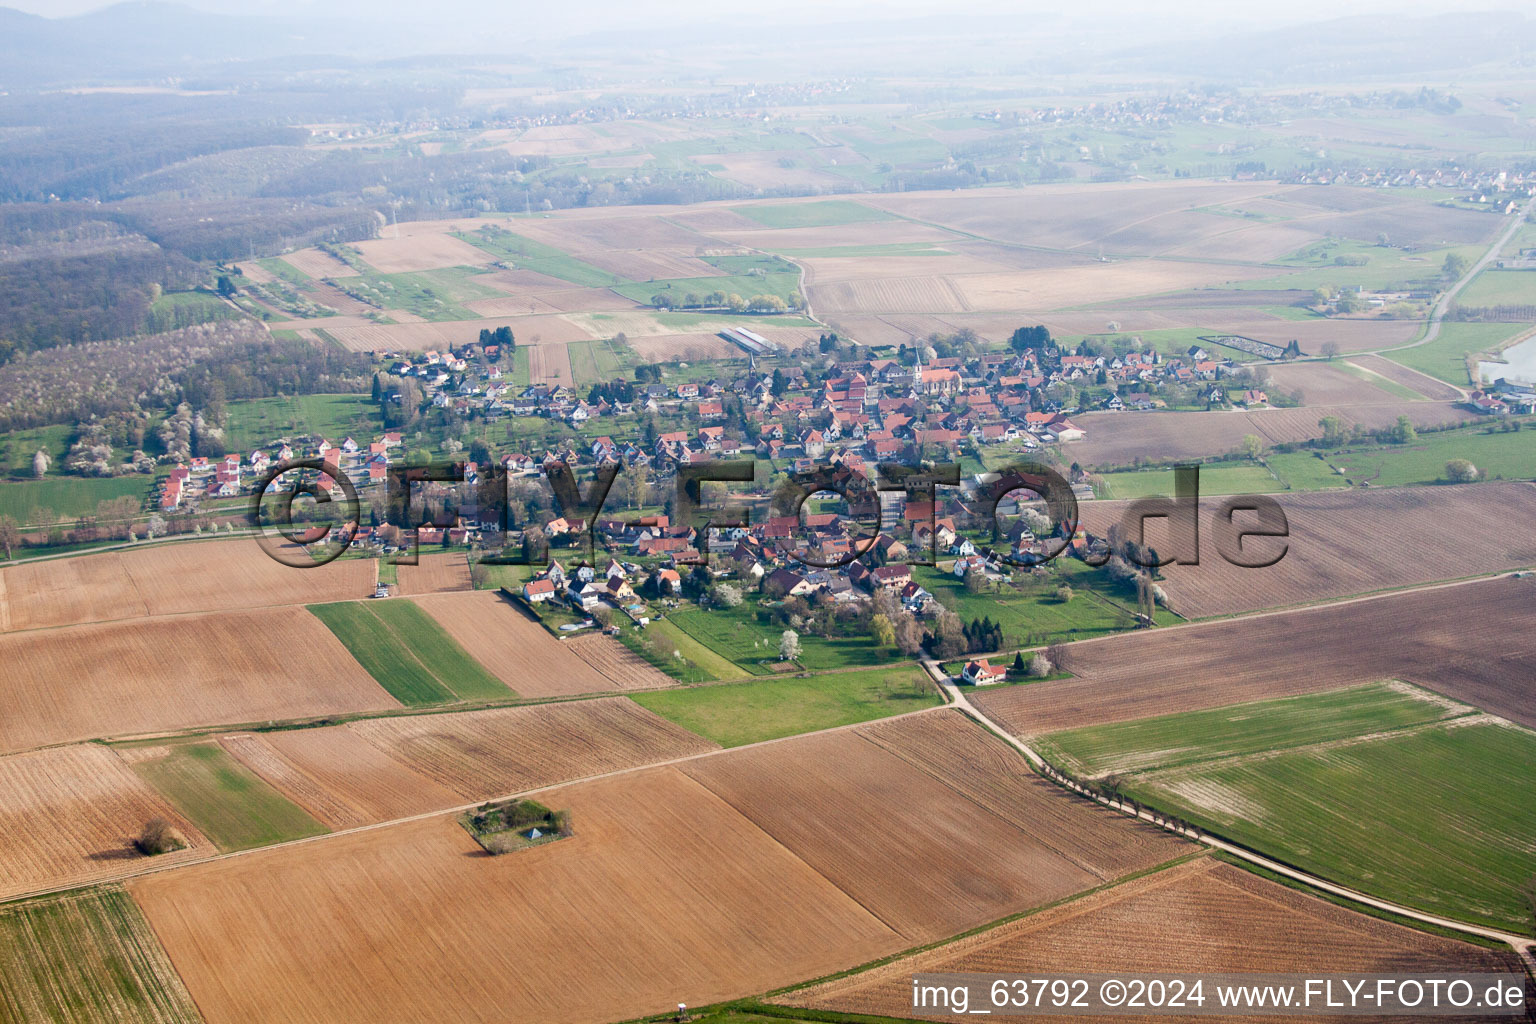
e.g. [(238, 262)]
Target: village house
[(983, 673)]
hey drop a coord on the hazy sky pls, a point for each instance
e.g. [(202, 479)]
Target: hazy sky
[(595, 14)]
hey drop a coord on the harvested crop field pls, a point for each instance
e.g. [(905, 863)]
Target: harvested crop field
[(1327, 384), (318, 264), (481, 754), (587, 300), (550, 364), (420, 252), (829, 270), (910, 294), (963, 755), (516, 649), (1351, 542), (1161, 217), (177, 672), (166, 580), (664, 894), (87, 956), (693, 347), (511, 305), (650, 265), (1363, 335), (1469, 641), (924, 859), (337, 776), (1425, 385), (733, 227), (435, 574), (69, 816), (529, 330), (1201, 916), (1100, 282), (620, 665), (612, 231), (1118, 439)]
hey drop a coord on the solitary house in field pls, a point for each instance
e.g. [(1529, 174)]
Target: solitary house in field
[(983, 673)]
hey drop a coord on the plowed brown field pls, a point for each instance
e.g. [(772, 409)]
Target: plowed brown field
[(1118, 439), (517, 650), (434, 574), (147, 675), (1198, 917), (480, 754), (1471, 641), (922, 858), (69, 815), (550, 364), (1352, 542), (1425, 385), (551, 329), (420, 252), (169, 579), (968, 758), (339, 777), (663, 895), (664, 347), (622, 666), (1327, 384), (318, 264)]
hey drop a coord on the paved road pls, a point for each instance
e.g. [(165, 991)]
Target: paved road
[(1523, 946), (1432, 331)]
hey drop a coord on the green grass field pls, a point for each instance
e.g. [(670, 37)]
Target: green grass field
[(526, 254), (745, 637), (1500, 288), (67, 496), (431, 644), (431, 294), (282, 269), (599, 360), (825, 214), (1427, 806), (1385, 269), (1226, 478), (1302, 471), (707, 663), (86, 956), (18, 446), (1507, 454), (732, 714), (1446, 357), (408, 653), (228, 802), (184, 309), (1030, 613), (260, 421), (1174, 740), (745, 276)]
